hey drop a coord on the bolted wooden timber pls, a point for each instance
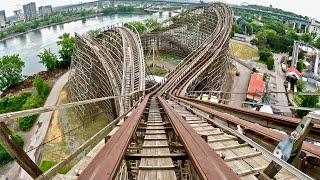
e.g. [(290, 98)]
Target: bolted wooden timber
[(11, 146)]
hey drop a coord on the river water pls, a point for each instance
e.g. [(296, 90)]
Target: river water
[(29, 45)]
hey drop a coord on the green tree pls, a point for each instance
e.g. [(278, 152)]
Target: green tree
[(307, 101), (10, 71), (67, 45), (270, 63), (300, 65), (301, 55), (237, 29), (317, 43), (151, 23), (291, 35), (2, 34), (255, 27), (300, 85), (266, 37), (21, 27), (265, 54), (277, 26), (48, 59), (139, 26), (34, 24), (43, 88), (306, 37)]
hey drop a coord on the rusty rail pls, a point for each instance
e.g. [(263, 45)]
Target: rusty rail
[(108, 160), (287, 124), (207, 162), (309, 149)]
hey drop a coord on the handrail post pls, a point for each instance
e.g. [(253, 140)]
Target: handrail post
[(11, 146)]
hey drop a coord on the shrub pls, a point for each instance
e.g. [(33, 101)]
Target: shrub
[(300, 65), (300, 85), (307, 101), (43, 90), (42, 87), (4, 156), (11, 104), (48, 59), (265, 54), (26, 123), (301, 55), (270, 63)]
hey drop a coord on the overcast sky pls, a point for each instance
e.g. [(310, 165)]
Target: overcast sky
[(304, 7)]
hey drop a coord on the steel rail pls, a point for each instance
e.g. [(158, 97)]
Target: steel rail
[(275, 105), (308, 148), (106, 163), (249, 114), (208, 163), (255, 145), (257, 93)]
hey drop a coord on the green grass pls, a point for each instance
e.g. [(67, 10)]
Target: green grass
[(46, 165), (242, 51), (170, 59), (157, 71), (261, 62), (174, 60)]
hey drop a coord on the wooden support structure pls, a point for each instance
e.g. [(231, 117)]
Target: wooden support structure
[(12, 147)]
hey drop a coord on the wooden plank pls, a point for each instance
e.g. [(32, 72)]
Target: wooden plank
[(207, 163), (222, 139), (231, 147), (243, 156), (156, 167)]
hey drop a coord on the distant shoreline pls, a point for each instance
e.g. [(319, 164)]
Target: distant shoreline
[(46, 26), (62, 22)]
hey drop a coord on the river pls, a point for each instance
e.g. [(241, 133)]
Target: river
[(29, 45)]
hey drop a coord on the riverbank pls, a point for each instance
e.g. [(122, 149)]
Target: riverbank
[(54, 24), (68, 21)]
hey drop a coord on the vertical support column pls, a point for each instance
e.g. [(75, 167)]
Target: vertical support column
[(11, 146)]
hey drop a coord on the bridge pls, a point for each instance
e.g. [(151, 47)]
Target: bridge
[(158, 131), (99, 3)]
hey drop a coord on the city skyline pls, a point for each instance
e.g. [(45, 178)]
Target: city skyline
[(307, 8)]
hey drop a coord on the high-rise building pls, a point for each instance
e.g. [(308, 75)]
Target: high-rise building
[(3, 19), (100, 6), (30, 11), (45, 11), (18, 16)]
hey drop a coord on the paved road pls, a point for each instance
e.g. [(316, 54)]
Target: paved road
[(38, 133), (240, 84), (277, 79)]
